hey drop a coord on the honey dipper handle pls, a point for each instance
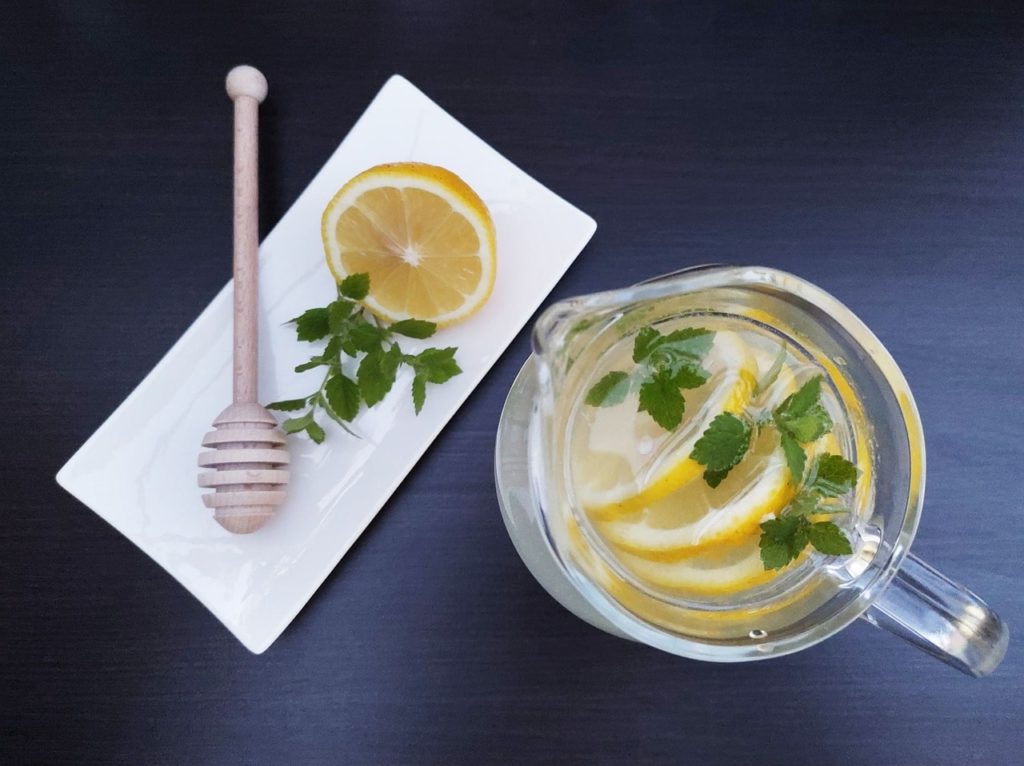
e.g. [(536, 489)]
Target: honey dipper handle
[(247, 87)]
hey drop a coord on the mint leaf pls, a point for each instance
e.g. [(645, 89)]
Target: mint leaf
[(332, 351), (714, 478), (834, 476), (661, 399), (809, 427), (376, 374), (802, 414), (693, 376), (723, 444), (435, 365), (804, 399), (609, 390), (804, 504), (366, 336), (337, 315), (316, 361), (774, 554), (355, 286), (419, 393), (680, 349), (342, 396), (315, 432), (646, 341), (773, 372), (312, 324), (414, 328), (829, 539), (294, 425), (287, 405), (782, 540), (796, 458), (694, 342)]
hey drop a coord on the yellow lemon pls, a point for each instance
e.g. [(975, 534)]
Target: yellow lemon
[(422, 234), (608, 483)]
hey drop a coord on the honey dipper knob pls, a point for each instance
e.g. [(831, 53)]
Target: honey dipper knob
[(248, 456)]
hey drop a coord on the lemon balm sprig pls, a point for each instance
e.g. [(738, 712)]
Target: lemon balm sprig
[(783, 539), (352, 334), (800, 419), (667, 364)]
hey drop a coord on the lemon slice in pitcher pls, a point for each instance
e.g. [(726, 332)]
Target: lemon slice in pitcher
[(720, 570), (699, 517), (422, 234), (610, 483)]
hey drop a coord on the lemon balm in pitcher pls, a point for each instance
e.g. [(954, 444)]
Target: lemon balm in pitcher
[(726, 464)]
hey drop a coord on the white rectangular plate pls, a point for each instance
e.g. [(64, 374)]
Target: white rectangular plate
[(138, 471)]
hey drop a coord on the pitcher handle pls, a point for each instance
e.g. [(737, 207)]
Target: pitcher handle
[(941, 617)]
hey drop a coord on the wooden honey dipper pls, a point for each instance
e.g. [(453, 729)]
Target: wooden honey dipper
[(248, 456)]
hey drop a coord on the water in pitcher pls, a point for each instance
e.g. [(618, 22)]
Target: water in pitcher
[(716, 472)]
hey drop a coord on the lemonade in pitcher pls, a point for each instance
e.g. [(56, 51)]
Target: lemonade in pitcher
[(713, 459), (726, 464)]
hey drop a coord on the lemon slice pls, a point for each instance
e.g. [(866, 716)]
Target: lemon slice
[(425, 238), (697, 516), (719, 571), (609, 482)]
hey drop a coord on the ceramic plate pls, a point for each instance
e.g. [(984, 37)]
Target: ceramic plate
[(138, 471)]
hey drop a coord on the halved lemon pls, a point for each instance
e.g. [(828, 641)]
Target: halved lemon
[(422, 234), (609, 484)]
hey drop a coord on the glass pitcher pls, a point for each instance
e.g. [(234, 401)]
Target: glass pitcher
[(818, 595)]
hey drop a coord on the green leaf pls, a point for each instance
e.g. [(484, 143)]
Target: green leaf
[(609, 390), (316, 361), (681, 349), (691, 376), (804, 504), (376, 374), (335, 417), (802, 414), (809, 427), (829, 539), (414, 328), (315, 432), (294, 425), (419, 393), (714, 478), (347, 345), (646, 341), (313, 324), (435, 365), (366, 336), (332, 351), (723, 444), (774, 554), (694, 342), (796, 458), (355, 286), (773, 372), (661, 399), (287, 405), (338, 313), (342, 395), (834, 476), (804, 399), (782, 540)]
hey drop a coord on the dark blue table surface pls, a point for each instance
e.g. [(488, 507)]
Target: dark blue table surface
[(877, 150)]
